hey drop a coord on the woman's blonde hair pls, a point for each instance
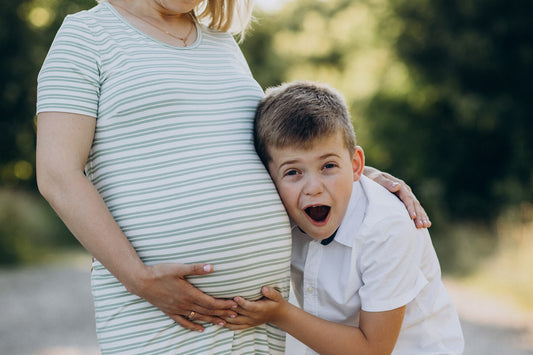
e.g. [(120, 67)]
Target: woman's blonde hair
[(224, 15)]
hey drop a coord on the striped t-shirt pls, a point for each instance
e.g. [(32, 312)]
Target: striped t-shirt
[(174, 160)]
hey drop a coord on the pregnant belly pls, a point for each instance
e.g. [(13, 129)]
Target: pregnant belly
[(243, 270), (234, 221), (247, 250)]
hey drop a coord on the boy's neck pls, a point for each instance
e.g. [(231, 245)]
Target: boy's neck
[(326, 241), (330, 239)]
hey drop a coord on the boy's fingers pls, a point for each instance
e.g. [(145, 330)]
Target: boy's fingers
[(271, 293)]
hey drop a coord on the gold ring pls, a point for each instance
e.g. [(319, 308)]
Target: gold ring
[(191, 315)]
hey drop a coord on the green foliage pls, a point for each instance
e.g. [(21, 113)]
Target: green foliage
[(28, 226), (440, 92), (29, 229), (465, 123), (28, 28), (269, 68)]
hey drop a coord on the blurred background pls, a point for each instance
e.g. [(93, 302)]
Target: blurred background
[(440, 92)]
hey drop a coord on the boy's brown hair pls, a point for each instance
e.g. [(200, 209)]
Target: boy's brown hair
[(297, 114)]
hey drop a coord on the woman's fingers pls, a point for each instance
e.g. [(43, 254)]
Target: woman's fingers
[(166, 288)]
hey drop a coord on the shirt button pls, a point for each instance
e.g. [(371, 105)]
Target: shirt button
[(309, 290)]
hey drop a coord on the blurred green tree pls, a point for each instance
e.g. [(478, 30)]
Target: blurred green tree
[(440, 92), (28, 227), (465, 122), (27, 30)]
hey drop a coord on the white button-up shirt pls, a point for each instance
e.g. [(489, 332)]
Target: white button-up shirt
[(378, 261)]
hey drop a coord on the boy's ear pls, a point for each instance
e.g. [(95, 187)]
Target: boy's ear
[(358, 163)]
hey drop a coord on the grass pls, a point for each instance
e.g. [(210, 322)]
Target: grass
[(497, 260), (509, 271)]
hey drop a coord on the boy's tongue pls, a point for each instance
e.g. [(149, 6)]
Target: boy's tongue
[(318, 213)]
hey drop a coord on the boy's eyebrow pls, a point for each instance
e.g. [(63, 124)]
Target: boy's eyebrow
[(324, 156), (327, 155), (288, 162)]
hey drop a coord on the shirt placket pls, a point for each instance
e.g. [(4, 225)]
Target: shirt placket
[(310, 282)]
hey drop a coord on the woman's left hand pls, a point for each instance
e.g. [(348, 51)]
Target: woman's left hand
[(404, 192)]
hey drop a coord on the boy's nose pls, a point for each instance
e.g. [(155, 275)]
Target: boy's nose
[(313, 186)]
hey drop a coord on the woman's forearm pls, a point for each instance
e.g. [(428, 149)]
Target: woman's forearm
[(82, 209), (64, 141)]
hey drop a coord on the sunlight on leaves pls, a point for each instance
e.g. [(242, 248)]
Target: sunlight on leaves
[(23, 170), (40, 16)]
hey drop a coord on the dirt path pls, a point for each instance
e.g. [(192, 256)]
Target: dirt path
[(48, 311)]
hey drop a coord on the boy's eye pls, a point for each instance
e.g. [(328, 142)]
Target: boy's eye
[(330, 166), (291, 173)]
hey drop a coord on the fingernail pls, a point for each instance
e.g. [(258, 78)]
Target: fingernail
[(207, 268), (221, 324), (200, 330), (232, 316)]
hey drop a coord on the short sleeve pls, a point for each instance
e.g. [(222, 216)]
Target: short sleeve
[(69, 80), (391, 268)]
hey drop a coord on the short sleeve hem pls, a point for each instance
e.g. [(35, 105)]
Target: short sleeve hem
[(69, 80), (421, 282)]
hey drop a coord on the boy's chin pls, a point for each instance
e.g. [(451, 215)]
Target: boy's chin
[(320, 234)]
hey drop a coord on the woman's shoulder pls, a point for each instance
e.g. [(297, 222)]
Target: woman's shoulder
[(215, 34), (91, 17)]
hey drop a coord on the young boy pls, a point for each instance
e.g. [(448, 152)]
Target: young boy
[(367, 281)]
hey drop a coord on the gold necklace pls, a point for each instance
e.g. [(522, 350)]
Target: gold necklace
[(183, 39)]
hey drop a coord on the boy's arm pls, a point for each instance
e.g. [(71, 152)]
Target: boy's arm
[(377, 332), (404, 193)]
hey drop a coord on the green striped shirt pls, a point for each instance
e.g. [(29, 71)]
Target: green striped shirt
[(174, 160)]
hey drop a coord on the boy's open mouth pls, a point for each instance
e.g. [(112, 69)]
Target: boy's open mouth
[(318, 213)]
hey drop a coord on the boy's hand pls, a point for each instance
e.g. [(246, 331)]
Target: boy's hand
[(253, 313)]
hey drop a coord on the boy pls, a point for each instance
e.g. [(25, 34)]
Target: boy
[(367, 280)]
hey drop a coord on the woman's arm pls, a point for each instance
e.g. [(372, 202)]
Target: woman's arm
[(377, 332), (63, 145), (404, 192)]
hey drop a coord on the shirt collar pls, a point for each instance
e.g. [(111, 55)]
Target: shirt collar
[(355, 214)]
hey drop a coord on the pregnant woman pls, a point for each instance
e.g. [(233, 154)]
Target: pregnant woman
[(144, 149)]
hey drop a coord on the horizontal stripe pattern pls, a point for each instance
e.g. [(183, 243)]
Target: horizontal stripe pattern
[(174, 160)]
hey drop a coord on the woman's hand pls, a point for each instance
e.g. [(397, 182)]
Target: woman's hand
[(404, 192), (253, 313), (165, 287)]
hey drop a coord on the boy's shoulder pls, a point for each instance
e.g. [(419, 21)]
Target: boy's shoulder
[(383, 208), (382, 199), (383, 224)]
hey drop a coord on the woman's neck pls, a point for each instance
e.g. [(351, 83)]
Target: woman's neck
[(172, 24)]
